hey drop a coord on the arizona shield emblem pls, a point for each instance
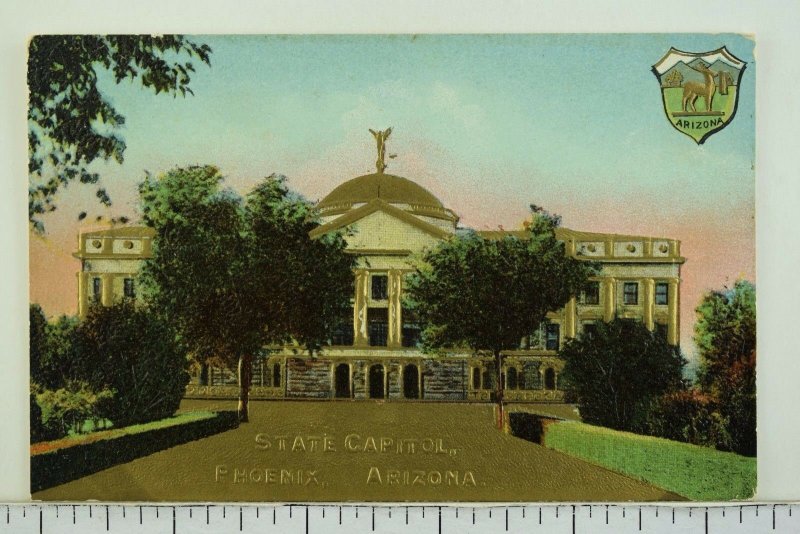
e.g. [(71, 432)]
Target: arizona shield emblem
[(700, 91)]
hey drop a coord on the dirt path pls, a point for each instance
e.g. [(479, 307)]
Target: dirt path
[(236, 466)]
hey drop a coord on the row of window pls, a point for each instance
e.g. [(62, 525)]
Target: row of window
[(590, 296), (512, 379), (377, 329), (128, 288)]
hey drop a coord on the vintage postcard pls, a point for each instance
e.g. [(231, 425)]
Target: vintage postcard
[(392, 268)]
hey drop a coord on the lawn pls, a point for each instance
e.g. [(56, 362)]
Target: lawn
[(699, 473), (79, 439)]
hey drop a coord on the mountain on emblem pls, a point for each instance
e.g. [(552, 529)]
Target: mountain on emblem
[(700, 91)]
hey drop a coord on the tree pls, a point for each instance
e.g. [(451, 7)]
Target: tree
[(235, 275), (488, 294), (619, 371), (673, 79), (37, 325), (71, 123), (128, 350), (725, 335)]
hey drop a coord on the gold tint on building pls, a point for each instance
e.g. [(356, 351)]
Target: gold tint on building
[(374, 352)]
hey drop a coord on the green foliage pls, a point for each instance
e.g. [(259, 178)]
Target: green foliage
[(65, 410), (725, 331), (691, 417), (71, 123), (725, 334), (132, 352), (617, 372), (699, 473), (37, 324), (52, 349), (40, 431), (490, 293), (234, 274)]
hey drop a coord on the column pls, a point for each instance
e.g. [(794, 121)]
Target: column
[(649, 302), (107, 297), (83, 295), (395, 311), (608, 298), (570, 321), (360, 326), (147, 247), (673, 301)]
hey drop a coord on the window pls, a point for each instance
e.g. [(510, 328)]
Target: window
[(591, 295), (553, 331), (380, 287), (276, 375), (476, 378), (128, 288), (97, 289), (662, 293), (411, 330), (630, 293), (342, 334), (378, 326), (589, 329)]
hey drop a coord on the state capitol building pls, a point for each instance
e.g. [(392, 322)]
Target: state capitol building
[(374, 354)]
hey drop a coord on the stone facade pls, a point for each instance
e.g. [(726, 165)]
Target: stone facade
[(389, 221)]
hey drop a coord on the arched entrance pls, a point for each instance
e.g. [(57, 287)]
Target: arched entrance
[(377, 382), (342, 381), (411, 381), (549, 378), (511, 378)]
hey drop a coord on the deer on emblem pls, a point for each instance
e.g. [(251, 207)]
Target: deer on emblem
[(693, 90)]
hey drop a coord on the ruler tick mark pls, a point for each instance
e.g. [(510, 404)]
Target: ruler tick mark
[(108, 521), (340, 515), (306, 519), (473, 516), (240, 519), (706, 520), (773, 517), (173, 520), (506, 519), (207, 514), (540, 515), (140, 515), (373, 519), (573, 519), (640, 518), (673, 516), (440, 520), (41, 519), (273, 516), (606, 514)]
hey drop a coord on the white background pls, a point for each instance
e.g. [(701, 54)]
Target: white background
[(775, 24)]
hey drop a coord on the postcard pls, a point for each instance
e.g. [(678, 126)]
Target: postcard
[(392, 268)]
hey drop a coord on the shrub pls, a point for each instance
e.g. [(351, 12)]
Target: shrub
[(737, 404), (688, 416), (127, 349), (725, 334), (67, 409), (616, 373), (40, 431)]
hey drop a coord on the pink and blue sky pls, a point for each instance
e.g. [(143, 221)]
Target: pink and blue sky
[(489, 124)]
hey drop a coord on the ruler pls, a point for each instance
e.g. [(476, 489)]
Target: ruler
[(415, 519)]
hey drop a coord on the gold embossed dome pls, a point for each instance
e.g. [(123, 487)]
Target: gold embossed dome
[(387, 187)]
